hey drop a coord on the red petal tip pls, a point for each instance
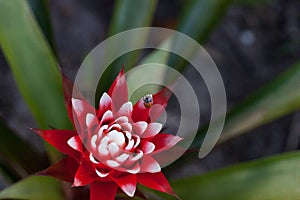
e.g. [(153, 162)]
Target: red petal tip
[(156, 181)]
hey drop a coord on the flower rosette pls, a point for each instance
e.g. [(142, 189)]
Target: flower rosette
[(113, 146)]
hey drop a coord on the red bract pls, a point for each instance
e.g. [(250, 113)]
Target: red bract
[(120, 141)]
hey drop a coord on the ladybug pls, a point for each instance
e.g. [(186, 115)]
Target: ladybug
[(148, 100)]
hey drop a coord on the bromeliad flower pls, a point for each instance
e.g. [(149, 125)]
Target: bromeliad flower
[(113, 146)]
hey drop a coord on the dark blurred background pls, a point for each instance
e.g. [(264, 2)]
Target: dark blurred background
[(252, 44)]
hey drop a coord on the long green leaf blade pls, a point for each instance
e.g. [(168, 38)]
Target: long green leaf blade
[(40, 9), (273, 178), (200, 17), (276, 99), (33, 188), (127, 15), (198, 21), (131, 14), (33, 64)]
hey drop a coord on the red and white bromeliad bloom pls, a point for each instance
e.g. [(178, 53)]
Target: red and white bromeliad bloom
[(120, 141)]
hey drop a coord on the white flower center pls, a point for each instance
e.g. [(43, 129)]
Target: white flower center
[(120, 143), (115, 145)]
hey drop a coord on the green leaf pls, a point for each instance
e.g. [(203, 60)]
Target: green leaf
[(276, 99), (131, 14), (33, 64), (133, 78), (33, 188), (273, 178), (128, 15), (198, 20), (200, 17), (40, 9), (18, 153)]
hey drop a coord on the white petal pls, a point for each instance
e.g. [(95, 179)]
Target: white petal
[(128, 135), (137, 156), (123, 157), (100, 132), (105, 101), (72, 142), (104, 141), (102, 150), (102, 175), (129, 145), (137, 142), (154, 168), (77, 106), (148, 164), (90, 118), (152, 129), (93, 160), (136, 169), (122, 119), (128, 188), (148, 147), (139, 127), (116, 137), (125, 109), (112, 163), (126, 127), (93, 141), (114, 126), (107, 116), (113, 149)]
